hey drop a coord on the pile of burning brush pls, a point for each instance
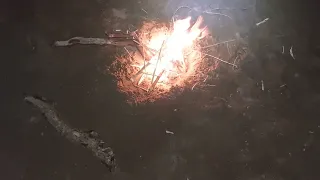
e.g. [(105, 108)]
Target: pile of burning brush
[(167, 56)]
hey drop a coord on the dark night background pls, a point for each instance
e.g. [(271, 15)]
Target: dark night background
[(233, 131)]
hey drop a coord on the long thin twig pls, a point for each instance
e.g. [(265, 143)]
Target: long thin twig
[(218, 14), (223, 42), (89, 139), (194, 86), (157, 80), (220, 60), (140, 71)]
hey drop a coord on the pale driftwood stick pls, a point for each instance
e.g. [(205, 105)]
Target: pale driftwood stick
[(94, 41), (87, 139), (82, 40)]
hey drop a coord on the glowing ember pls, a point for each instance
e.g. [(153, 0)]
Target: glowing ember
[(169, 58)]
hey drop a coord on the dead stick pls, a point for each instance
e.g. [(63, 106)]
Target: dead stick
[(221, 60), (93, 41), (86, 139), (82, 40), (224, 42)]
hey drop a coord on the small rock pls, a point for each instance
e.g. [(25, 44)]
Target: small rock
[(169, 132)]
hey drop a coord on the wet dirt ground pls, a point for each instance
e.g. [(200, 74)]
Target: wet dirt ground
[(235, 130)]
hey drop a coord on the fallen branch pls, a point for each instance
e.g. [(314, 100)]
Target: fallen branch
[(92, 41), (88, 139)]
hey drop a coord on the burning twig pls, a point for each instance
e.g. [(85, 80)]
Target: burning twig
[(221, 60), (194, 86), (262, 22), (128, 52), (88, 139), (205, 79), (140, 71), (159, 58), (141, 79), (157, 79)]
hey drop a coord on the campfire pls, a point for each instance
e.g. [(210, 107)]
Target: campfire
[(160, 59), (168, 56)]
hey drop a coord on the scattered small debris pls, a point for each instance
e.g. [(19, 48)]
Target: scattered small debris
[(291, 53), (169, 132), (262, 22), (283, 85), (262, 85), (175, 110), (119, 13)]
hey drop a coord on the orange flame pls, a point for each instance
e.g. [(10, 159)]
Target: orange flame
[(171, 48)]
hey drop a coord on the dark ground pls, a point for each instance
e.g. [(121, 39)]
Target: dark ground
[(232, 131)]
